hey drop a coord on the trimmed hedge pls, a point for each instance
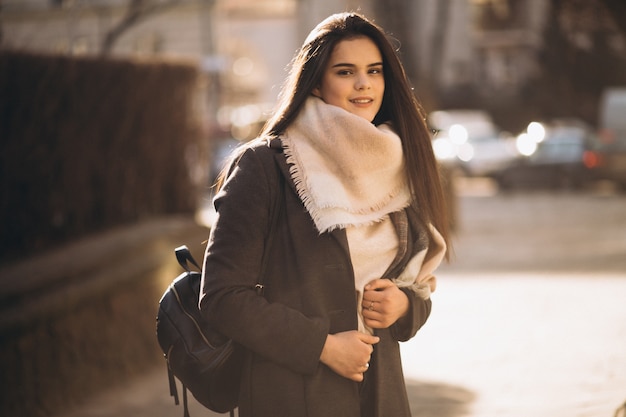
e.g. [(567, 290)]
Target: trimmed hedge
[(91, 143)]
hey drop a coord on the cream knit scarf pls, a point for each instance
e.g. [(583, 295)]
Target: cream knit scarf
[(347, 171)]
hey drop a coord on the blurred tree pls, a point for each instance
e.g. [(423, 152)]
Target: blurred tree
[(398, 19), (137, 11), (1, 27), (617, 8), (394, 17), (439, 39), (584, 52)]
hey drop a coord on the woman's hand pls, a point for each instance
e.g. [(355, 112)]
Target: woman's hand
[(348, 353), (383, 304)]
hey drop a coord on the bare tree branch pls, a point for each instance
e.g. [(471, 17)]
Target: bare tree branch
[(1, 26), (137, 11), (617, 9)]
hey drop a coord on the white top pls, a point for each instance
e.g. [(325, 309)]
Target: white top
[(372, 249)]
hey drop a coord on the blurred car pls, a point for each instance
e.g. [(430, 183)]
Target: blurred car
[(566, 158), (469, 141), (612, 135)]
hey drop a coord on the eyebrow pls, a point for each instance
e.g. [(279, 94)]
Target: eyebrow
[(342, 64)]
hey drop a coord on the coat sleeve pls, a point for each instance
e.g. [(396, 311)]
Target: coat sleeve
[(418, 282), (419, 311), (233, 259)]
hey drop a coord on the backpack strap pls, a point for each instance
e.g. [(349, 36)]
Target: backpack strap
[(277, 211), (185, 404), (172, 381), (183, 256)]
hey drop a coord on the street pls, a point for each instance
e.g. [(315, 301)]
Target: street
[(528, 320), (543, 231), (521, 345)]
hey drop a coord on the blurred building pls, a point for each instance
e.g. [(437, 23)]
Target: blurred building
[(246, 45)]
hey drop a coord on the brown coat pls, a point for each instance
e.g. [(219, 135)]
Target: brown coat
[(309, 293)]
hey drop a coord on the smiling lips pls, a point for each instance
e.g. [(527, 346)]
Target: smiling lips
[(360, 100)]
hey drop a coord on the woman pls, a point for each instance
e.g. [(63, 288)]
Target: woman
[(362, 227)]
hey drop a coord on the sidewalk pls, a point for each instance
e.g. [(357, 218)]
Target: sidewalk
[(520, 343), (496, 346)]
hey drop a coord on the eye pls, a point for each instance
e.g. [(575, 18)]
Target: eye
[(344, 72), (376, 71)]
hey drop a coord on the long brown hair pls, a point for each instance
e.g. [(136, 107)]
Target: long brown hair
[(400, 107)]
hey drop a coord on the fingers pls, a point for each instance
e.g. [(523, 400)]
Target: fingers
[(377, 291), (348, 353), (374, 302), (373, 313), (360, 372), (368, 305), (374, 294), (383, 303), (369, 339), (378, 285)]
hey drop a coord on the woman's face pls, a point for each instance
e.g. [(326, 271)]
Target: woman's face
[(353, 78)]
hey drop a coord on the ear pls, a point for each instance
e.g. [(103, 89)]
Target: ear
[(316, 92)]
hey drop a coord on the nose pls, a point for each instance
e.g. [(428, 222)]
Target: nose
[(362, 82)]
